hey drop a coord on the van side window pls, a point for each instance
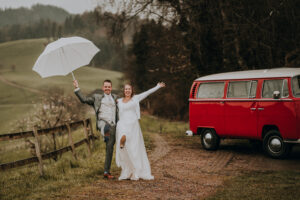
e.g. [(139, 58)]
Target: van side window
[(242, 89), (270, 86), (211, 90), (296, 86)]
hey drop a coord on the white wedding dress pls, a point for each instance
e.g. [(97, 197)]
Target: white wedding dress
[(133, 157)]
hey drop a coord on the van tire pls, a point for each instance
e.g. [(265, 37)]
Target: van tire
[(279, 149), (210, 140)]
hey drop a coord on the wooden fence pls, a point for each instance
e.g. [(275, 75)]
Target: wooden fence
[(36, 133)]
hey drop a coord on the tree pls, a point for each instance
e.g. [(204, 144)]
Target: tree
[(215, 36)]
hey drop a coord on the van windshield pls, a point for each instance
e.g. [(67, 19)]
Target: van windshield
[(296, 86)]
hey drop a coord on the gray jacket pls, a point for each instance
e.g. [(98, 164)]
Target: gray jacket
[(95, 101)]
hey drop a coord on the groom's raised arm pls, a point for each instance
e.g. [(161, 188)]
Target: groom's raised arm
[(82, 97)]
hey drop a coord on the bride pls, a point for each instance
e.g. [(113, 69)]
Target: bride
[(131, 154)]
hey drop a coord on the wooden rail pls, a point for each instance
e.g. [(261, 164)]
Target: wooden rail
[(89, 137), (25, 134)]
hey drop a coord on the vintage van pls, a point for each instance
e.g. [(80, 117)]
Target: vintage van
[(257, 105)]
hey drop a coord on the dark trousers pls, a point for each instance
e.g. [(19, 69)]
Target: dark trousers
[(110, 140)]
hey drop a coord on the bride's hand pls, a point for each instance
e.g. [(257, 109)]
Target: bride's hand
[(161, 84)]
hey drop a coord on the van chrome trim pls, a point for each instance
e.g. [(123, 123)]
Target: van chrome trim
[(195, 100), (292, 141)]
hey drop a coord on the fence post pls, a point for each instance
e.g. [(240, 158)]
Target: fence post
[(54, 145), (71, 141), (87, 136), (38, 150), (91, 131)]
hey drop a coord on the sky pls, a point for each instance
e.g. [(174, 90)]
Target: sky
[(72, 6)]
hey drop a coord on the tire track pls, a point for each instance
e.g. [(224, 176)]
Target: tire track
[(216, 161), (161, 149), (221, 161)]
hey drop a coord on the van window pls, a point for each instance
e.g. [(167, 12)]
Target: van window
[(296, 86), (211, 90), (242, 89), (270, 86)]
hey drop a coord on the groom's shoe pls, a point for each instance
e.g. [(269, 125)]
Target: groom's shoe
[(108, 176)]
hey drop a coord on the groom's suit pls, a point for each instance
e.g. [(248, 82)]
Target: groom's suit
[(106, 122)]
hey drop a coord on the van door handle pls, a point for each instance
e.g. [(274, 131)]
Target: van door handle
[(252, 108), (260, 108)]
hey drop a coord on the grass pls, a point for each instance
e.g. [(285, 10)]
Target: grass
[(13, 150), (25, 182), (261, 185), (10, 113), (15, 104)]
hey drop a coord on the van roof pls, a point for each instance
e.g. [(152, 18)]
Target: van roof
[(249, 74)]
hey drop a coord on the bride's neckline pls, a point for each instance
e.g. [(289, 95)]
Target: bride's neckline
[(126, 101)]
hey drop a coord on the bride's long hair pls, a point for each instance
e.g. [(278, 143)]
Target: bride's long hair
[(132, 90)]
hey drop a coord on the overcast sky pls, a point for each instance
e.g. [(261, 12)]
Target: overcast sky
[(72, 6)]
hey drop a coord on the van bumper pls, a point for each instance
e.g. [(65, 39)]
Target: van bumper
[(292, 141)]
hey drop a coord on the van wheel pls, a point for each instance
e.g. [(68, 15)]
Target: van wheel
[(274, 146), (210, 140)]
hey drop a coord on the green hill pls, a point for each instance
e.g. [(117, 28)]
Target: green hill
[(18, 83), (35, 14)]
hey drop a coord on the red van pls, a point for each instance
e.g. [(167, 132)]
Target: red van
[(257, 104)]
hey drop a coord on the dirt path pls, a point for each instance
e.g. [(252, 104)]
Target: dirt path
[(185, 171), (7, 82)]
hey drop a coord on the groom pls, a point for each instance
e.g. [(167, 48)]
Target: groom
[(106, 110)]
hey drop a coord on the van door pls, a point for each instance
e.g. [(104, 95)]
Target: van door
[(240, 109), (207, 111), (281, 112)]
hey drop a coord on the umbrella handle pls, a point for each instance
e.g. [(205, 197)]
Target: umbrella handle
[(73, 76)]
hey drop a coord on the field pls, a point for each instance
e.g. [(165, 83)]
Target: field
[(20, 87)]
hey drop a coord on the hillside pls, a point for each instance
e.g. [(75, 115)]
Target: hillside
[(20, 86), (30, 16)]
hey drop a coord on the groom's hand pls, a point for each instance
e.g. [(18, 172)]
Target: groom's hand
[(75, 83)]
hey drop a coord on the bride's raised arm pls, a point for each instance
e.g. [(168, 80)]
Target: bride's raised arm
[(143, 95)]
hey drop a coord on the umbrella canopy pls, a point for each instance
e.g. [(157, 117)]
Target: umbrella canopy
[(64, 55)]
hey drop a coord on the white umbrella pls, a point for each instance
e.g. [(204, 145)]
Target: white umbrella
[(65, 55)]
